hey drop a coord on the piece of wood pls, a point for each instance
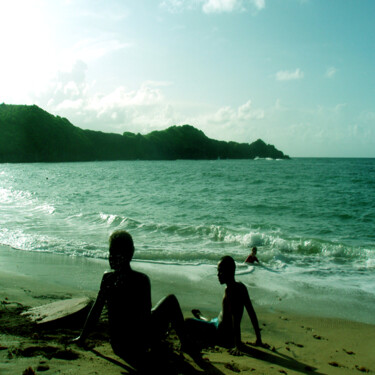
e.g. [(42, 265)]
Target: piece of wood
[(59, 310)]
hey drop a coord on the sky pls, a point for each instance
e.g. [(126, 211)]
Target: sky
[(299, 74)]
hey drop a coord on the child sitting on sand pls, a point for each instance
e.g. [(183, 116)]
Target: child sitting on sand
[(252, 257), (226, 329), (135, 328)]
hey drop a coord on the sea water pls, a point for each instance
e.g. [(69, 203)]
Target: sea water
[(312, 220)]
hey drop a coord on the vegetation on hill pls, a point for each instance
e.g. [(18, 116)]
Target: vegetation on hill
[(30, 134)]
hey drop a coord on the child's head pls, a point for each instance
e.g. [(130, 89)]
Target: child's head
[(254, 250), (121, 249)]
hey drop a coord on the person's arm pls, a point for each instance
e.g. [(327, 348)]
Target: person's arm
[(253, 317), (234, 310), (93, 315), (236, 321)]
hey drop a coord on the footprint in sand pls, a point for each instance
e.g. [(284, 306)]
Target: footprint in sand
[(307, 328), (335, 364), (232, 366), (348, 352), (293, 343), (362, 369), (47, 352), (317, 337)]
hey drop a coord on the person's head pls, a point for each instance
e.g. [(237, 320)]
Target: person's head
[(121, 249), (254, 250), (226, 269)]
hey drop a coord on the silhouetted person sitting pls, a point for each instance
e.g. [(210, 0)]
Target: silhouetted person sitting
[(253, 256), (226, 329), (135, 328)]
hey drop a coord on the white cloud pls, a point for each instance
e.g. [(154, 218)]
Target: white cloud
[(228, 116), (367, 117), (259, 4), (220, 6), (69, 105), (213, 6), (115, 15), (177, 6), (330, 72), (146, 95), (139, 110), (143, 109), (229, 123), (246, 112), (287, 75)]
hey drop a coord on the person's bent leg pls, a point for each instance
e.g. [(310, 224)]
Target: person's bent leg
[(168, 312), (201, 333)]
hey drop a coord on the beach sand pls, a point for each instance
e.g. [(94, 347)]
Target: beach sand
[(298, 344)]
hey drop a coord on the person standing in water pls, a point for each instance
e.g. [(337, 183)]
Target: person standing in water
[(135, 328), (253, 256), (226, 329)]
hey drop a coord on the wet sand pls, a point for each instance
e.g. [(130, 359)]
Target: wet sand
[(298, 343)]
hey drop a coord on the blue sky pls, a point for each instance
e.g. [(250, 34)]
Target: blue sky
[(297, 73)]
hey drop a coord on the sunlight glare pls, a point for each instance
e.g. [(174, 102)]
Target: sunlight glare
[(25, 36)]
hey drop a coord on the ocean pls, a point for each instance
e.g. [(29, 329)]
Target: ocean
[(312, 220)]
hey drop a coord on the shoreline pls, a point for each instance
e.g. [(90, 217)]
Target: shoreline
[(301, 344), (195, 285)]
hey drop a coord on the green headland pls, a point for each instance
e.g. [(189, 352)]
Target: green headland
[(30, 134)]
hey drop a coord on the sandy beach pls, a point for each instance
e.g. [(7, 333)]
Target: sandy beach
[(298, 343)]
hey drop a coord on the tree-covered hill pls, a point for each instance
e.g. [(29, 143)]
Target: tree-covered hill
[(30, 134)]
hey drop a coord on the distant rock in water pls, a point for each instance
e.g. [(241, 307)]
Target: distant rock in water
[(30, 134)]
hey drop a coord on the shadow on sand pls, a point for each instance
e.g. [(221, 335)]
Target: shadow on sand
[(279, 359), (169, 362)]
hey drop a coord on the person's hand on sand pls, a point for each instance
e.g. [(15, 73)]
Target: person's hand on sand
[(237, 350)]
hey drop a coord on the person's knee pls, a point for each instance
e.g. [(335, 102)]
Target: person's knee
[(166, 305), (171, 299)]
